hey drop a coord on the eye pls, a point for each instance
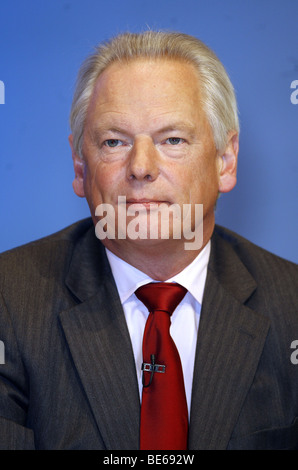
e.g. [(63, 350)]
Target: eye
[(174, 140), (112, 143)]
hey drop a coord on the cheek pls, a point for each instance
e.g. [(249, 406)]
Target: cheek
[(101, 182), (201, 181)]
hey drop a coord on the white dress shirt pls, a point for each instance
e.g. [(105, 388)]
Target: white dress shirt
[(184, 320)]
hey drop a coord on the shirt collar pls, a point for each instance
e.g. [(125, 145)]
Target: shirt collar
[(128, 278)]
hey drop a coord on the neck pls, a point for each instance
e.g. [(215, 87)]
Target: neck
[(160, 260)]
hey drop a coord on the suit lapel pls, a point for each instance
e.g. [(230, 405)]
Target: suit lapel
[(230, 341), (98, 340)]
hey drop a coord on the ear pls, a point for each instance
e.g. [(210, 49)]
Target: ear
[(79, 166), (227, 164)]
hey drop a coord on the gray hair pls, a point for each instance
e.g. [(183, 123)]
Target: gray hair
[(219, 101)]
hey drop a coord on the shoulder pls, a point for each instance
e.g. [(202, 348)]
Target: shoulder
[(276, 278), (248, 251), (47, 256)]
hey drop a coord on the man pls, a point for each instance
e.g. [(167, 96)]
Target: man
[(154, 123)]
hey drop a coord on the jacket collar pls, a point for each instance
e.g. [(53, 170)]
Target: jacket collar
[(98, 339), (230, 341)]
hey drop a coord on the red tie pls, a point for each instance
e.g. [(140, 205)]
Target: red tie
[(164, 416)]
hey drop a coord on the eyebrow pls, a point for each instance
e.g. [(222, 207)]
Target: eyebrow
[(96, 133), (175, 126)]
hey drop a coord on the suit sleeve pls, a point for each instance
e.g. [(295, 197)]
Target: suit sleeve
[(14, 390)]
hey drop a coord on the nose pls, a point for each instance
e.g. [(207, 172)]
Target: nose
[(143, 162)]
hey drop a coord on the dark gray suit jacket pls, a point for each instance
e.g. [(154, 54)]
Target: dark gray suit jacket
[(69, 379)]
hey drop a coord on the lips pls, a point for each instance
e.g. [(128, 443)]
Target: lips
[(148, 203)]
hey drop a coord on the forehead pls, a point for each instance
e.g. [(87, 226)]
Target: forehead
[(174, 70), (147, 84)]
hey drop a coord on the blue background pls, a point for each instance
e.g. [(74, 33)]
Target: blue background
[(42, 44)]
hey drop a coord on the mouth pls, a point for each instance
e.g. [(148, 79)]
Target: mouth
[(146, 203)]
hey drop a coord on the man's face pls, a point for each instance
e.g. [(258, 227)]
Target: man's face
[(147, 138)]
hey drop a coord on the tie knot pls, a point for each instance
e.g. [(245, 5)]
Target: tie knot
[(161, 296)]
